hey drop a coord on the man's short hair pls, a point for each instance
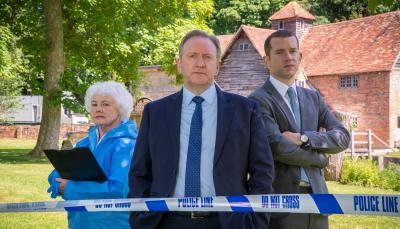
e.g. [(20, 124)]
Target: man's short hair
[(279, 33), (200, 33)]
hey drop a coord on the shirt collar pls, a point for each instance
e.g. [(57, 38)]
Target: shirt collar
[(281, 87), (208, 95)]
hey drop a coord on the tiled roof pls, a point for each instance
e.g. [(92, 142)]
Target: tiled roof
[(224, 40), (291, 10), (362, 45), (256, 36)]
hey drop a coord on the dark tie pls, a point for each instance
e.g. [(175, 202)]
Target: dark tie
[(192, 177), (296, 111)]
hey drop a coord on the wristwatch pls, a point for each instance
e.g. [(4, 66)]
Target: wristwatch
[(303, 139)]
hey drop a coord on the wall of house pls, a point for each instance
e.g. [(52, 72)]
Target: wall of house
[(394, 107), (31, 110), (241, 71), (157, 83), (369, 102)]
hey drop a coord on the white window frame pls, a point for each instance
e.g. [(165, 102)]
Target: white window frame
[(244, 46)]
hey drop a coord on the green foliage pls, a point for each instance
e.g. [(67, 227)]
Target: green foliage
[(230, 15), (340, 10), (320, 20), (12, 65), (365, 172), (376, 5), (390, 177), (102, 38), (360, 172), (160, 46)]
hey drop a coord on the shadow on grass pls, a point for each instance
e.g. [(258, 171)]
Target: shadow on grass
[(20, 156)]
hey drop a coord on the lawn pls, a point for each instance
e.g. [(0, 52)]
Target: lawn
[(24, 179)]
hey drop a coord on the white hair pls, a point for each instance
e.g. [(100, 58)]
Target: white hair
[(114, 89)]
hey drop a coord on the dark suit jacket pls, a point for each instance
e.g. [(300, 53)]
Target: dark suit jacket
[(241, 148), (289, 157)]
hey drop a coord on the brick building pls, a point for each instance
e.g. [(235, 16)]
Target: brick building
[(354, 64)]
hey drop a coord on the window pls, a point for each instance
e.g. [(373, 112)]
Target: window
[(244, 46), (302, 24), (281, 25), (348, 82), (398, 121)]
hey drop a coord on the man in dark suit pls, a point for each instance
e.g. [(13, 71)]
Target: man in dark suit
[(200, 141), (294, 118)]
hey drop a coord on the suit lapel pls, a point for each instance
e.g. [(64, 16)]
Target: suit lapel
[(281, 103), (173, 121), (224, 119)]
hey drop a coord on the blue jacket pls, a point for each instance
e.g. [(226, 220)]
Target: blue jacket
[(114, 153)]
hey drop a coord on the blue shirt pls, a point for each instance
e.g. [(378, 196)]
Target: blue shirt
[(208, 136)]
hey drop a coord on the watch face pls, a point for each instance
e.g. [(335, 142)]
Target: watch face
[(304, 138)]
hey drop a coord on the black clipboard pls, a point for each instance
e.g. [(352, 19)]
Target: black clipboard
[(76, 164)]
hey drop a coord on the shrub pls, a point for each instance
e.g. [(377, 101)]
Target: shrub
[(360, 172), (390, 177)]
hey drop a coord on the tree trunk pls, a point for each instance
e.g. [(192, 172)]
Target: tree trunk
[(334, 168), (54, 67)]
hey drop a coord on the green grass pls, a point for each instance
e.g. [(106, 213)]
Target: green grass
[(15, 151), (360, 221), (24, 179)]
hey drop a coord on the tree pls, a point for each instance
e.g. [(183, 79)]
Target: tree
[(11, 66), (54, 67), (160, 46), (100, 42), (373, 5), (231, 14)]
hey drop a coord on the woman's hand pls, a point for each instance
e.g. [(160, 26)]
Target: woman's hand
[(63, 183)]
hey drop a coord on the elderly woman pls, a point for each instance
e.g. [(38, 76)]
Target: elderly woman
[(111, 141)]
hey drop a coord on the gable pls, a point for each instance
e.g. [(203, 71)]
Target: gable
[(242, 68), (256, 36)]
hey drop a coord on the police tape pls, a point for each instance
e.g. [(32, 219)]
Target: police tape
[(380, 205)]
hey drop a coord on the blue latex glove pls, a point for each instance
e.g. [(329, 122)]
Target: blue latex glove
[(54, 185), (54, 189), (52, 177)]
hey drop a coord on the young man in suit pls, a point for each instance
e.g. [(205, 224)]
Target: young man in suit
[(200, 141), (293, 117)]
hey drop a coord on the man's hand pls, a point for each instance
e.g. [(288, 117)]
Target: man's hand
[(63, 183), (293, 137)]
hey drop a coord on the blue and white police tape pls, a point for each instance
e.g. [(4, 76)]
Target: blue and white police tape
[(381, 205)]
